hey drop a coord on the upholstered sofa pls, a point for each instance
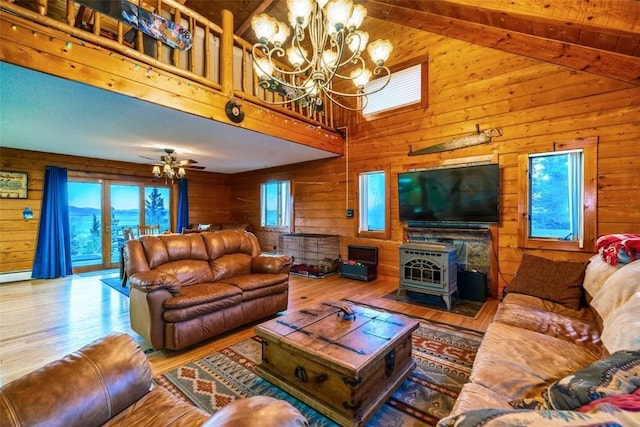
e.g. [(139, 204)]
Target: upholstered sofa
[(563, 350), (108, 383), (188, 288)]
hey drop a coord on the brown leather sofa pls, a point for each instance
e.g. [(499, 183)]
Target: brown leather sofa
[(108, 383), (188, 288)]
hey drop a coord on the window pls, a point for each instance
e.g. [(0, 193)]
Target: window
[(407, 87), (274, 205), (560, 193), (373, 202)]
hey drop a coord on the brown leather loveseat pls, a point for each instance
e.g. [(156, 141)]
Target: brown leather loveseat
[(188, 288)]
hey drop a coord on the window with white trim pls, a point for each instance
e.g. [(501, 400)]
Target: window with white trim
[(275, 202), (405, 88), (558, 207)]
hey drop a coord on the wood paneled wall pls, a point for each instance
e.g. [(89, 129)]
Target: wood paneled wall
[(534, 103), (208, 197)]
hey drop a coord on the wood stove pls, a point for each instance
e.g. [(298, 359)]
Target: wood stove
[(429, 268)]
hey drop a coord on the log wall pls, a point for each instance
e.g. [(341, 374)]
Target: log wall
[(209, 195), (534, 103)]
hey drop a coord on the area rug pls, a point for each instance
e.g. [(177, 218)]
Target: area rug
[(462, 307), (444, 356), (116, 283)]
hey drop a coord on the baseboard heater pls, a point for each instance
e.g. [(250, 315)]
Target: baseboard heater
[(15, 276)]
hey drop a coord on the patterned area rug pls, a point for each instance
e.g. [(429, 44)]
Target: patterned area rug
[(459, 306), (444, 356)]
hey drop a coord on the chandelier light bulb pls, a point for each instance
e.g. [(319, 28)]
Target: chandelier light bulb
[(297, 56), (358, 15), (329, 58), (264, 27), (360, 78), (380, 50), (338, 13), (156, 171), (358, 41), (300, 10), (281, 35), (263, 67)]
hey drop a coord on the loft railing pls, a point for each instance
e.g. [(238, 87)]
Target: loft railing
[(217, 59)]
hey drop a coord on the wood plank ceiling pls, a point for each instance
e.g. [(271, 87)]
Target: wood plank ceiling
[(601, 37)]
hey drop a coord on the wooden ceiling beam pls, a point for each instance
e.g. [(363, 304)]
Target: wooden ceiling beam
[(611, 16), (600, 62)]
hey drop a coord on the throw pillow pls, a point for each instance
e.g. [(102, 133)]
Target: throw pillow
[(557, 281), (614, 375)]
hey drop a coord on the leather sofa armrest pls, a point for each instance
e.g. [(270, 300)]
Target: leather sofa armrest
[(87, 387), (271, 264), (149, 281)]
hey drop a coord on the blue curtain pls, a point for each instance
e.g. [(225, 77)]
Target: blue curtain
[(183, 206), (53, 252)]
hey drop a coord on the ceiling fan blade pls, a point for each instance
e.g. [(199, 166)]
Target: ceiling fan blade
[(148, 158), (197, 168), (185, 162)]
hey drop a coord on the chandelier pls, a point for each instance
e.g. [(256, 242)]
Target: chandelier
[(326, 45), (170, 167)]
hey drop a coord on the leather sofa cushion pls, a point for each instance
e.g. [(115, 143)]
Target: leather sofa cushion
[(160, 408), (578, 331), (229, 242), (203, 310), (188, 272), (231, 265), (162, 249), (518, 363), (251, 282), (201, 293)]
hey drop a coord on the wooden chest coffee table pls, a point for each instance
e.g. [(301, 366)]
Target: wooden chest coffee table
[(343, 365)]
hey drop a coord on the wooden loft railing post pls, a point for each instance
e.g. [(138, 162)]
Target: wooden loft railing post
[(226, 53)]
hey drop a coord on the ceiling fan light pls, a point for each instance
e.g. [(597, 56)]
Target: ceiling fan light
[(358, 15), (380, 50), (181, 172), (338, 13), (156, 171), (264, 27)]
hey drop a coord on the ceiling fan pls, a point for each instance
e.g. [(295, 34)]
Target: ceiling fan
[(170, 167)]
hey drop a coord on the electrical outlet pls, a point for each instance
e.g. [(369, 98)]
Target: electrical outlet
[(349, 213)]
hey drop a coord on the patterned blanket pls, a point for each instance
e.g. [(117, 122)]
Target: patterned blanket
[(618, 248)]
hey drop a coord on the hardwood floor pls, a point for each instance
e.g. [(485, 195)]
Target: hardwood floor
[(43, 320)]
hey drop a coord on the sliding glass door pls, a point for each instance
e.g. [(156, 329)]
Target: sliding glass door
[(99, 210)]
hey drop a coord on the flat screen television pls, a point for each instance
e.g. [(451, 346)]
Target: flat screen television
[(466, 195)]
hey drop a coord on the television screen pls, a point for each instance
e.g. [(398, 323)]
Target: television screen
[(458, 195)]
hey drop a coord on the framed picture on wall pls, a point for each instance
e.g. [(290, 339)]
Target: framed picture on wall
[(13, 185)]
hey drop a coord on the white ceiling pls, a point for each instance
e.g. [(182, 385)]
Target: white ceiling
[(41, 112)]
